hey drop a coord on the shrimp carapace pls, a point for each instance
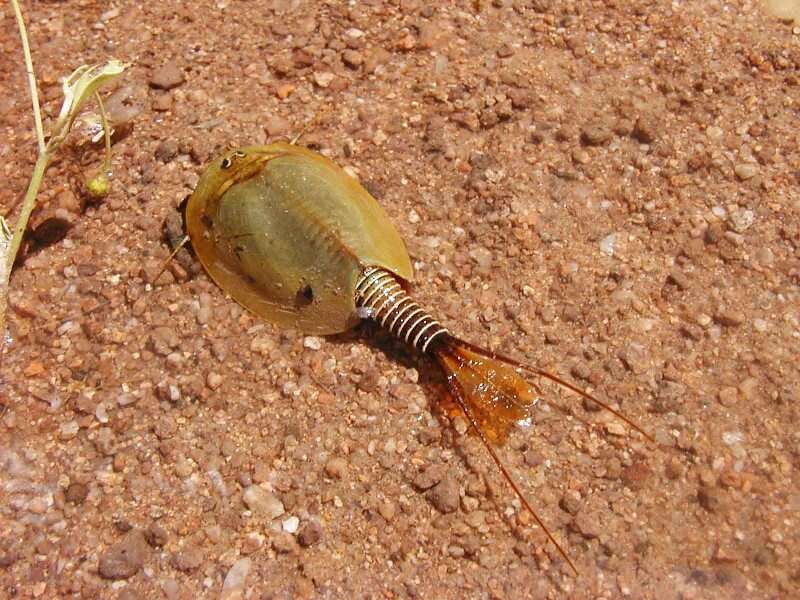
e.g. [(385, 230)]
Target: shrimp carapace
[(296, 240), (286, 232)]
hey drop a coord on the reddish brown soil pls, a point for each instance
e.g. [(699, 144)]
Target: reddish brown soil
[(605, 189)]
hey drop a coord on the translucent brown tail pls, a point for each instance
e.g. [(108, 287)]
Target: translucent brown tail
[(487, 387), (494, 397)]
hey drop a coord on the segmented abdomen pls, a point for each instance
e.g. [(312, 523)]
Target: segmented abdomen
[(380, 291)]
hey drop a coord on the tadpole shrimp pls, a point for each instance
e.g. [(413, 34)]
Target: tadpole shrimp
[(297, 241)]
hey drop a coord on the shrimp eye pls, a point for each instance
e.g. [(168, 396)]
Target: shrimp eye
[(226, 163), (305, 295)]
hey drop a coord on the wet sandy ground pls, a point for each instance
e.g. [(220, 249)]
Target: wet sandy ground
[(608, 190)]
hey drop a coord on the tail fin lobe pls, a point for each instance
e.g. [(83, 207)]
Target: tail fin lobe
[(493, 397)]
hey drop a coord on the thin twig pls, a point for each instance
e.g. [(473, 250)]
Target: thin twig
[(36, 177), (106, 132), (27, 207), (26, 50)]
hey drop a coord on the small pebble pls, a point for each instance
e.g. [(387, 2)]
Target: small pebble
[(596, 135), (482, 256), (692, 331), (291, 524), (765, 256), (309, 534), (728, 396), (730, 438), (460, 424), (445, 495), (262, 504), (214, 380), (336, 468), (233, 586), (571, 503), (729, 478), (504, 51), (252, 542), (285, 90), (167, 76), (741, 220), (714, 133), (745, 171), (532, 459), (125, 558), (645, 130), (276, 126), (468, 503), (432, 475), (76, 493), (126, 399), (455, 551), (110, 14), (68, 430), (615, 428), (34, 369), (352, 58), (476, 519), (748, 388), (607, 244), (183, 467), (581, 156), (187, 559), (635, 357), (323, 79), (166, 151), (156, 535), (521, 99), (679, 278), (635, 477), (312, 343), (162, 102), (284, 543), (39, 505), (387, 510), (581, 370), (730, 318), (710, 498), (674, 469), (171, 589), (587, 525)]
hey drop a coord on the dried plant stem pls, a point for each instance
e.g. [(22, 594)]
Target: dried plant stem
[(106, 132), (27, 207), (29, 202), (38, 171), (19, 231), (26, 50)]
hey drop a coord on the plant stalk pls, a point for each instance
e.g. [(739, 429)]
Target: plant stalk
[(19, 232), (26, 51), (27, 206), (106, 132)]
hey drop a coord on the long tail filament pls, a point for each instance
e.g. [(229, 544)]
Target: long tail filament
[(487, 387)]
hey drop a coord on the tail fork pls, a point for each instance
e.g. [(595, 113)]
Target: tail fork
[(487, 387)]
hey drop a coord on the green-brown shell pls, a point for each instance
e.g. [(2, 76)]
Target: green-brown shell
[(287, 233)]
